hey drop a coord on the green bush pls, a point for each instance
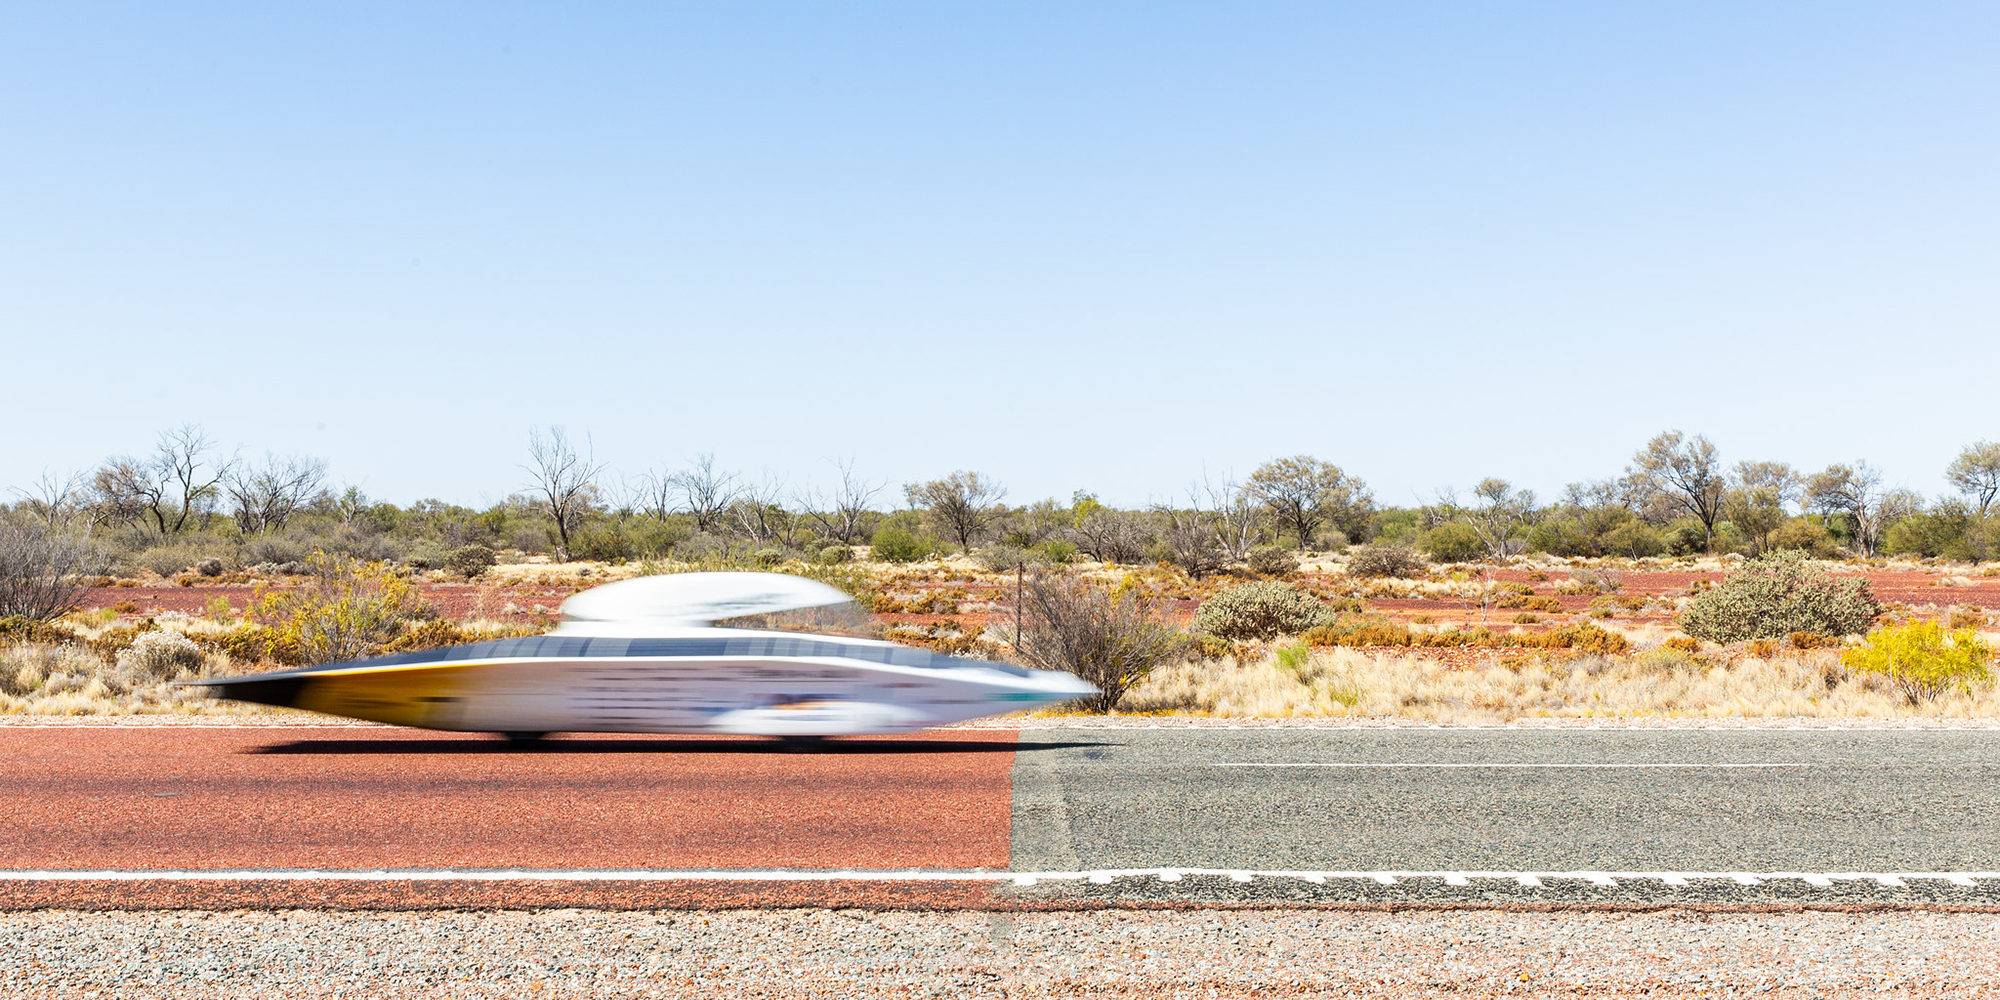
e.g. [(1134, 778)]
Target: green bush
[(1452, 543), (1260, 611), (1633, 538), (1922, 659), (897, 545), (833, 555), (1271, 560), (1385, 560), (1778, 594), (1058, 551), (1805, 535), (469, 561)]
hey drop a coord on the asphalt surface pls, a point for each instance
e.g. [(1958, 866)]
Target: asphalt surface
[(1063, 818), (1761, 800)]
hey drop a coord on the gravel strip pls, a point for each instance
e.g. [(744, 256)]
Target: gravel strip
[(822, 953)]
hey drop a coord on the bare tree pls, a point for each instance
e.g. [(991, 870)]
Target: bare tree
[(1855, 491), (839, 512), (42, 568), (1074, 625), (58, 501), (1687, 474), (1194, 537), (702, 491), (1113, 536), (960, 504), (565, 481), (1976, 473), (758, 513), (177, 482), (1302, 492), (267, 495), (1238, 519), (1499, 515)]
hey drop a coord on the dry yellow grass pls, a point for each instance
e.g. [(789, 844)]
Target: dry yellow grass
[(1656, 684)]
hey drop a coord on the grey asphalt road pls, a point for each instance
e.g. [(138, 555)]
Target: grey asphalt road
[(1508, 800)]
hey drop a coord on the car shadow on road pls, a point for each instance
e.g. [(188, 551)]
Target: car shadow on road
[(674, 745)]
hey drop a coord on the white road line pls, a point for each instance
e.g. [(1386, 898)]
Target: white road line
[(1101, 876), (1391, 766)]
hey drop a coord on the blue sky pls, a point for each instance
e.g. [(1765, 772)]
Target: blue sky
[(1100, 246)]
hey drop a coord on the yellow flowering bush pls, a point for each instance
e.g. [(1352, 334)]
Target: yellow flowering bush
[(345, 610), (1922, 658)]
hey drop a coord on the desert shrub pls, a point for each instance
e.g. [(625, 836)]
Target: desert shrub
[(1271, 560), (1922, 659), (1806, 535), (258, 644), (1005, 558), (164, 655), (470, 561), (1112, 641), (1777, 594), (267, 550), (23, 629), (427, 635), (1589, 580), (1967, 617), (1385, 560), (1379, 633), (1452, 542), (1260, 611), (834, 555), (210, 566), (1584, 637), (43, 570), (1209, 647), (345, 612), (1527, 618), (898, 545), (1633, 538), (427, 554), (767, 557), (1058, 551), (1294, 655), (1811, 640), (1682, 644)]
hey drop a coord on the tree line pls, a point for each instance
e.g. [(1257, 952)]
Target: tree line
[(190, 498)]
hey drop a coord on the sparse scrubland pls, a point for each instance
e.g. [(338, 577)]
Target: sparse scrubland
[(1679, 590)]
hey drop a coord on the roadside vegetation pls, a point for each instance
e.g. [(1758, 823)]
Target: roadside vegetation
[(1291, 592)]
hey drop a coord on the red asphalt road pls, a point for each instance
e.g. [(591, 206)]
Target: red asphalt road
[(179, 798)]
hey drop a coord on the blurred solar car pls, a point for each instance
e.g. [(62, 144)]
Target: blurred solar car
[(740, 653)]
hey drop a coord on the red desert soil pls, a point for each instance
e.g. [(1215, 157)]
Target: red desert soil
[(537, 605)]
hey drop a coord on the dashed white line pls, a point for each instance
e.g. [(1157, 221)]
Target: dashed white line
[(1386, 765)]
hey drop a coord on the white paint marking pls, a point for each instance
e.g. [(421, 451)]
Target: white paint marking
[(1388, 766), (1105, 876)]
